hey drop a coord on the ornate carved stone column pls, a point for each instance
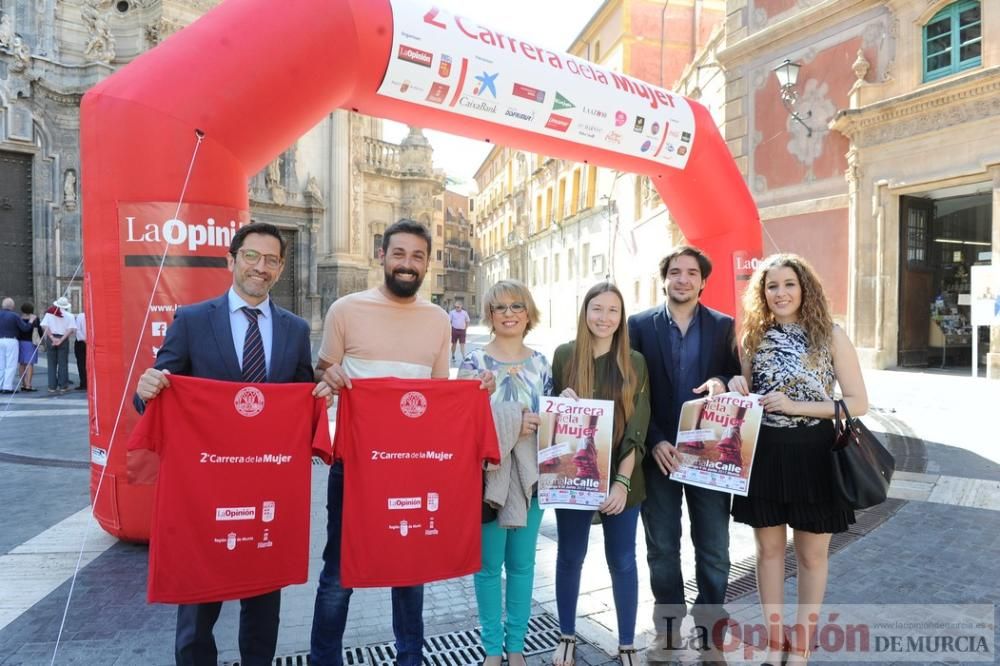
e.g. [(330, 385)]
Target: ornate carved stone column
[(337, 237)]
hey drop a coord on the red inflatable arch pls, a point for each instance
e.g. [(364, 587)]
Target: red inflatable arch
[(220, 79)]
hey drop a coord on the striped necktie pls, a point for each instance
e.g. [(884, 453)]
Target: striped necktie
[(254, 367)]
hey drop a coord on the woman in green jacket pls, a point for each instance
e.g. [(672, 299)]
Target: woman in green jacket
[(600, 364)]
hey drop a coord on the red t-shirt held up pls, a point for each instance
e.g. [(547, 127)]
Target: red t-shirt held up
[(231, 508), (413, 452)]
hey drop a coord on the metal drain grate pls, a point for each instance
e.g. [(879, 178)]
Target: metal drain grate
[(455, 648), (543, 634)]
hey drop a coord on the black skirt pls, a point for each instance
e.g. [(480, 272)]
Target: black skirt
[(791, 482)]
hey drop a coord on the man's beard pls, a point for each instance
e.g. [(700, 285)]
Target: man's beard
[(403, 289), (684, 298)]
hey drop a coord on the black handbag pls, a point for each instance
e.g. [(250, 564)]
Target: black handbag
[(862, 467)]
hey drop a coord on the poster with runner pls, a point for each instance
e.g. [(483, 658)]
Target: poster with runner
[(716, 439), (574, 452)]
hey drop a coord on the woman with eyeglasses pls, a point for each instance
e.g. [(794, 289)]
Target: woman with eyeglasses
[(511, 515), (601, 364)]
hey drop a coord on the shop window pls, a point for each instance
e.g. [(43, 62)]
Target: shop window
[(953, 40)]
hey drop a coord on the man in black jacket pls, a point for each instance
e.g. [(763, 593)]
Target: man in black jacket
[(689, 350)]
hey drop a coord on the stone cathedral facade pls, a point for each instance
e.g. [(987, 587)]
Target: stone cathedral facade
[(332, 192)]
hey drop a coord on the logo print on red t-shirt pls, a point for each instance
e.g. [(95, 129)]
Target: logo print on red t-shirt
[(249, 401), (413, 404)]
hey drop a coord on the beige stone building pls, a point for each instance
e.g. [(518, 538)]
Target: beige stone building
[(332, 192), (459, 255), (889, 181), (388, 182)]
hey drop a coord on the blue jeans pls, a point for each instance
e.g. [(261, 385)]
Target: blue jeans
[(513, 550), (332, 600), (619, 550), (58, 361), (661, 518)]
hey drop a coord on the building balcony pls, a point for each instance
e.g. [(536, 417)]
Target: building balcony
[(383, 158), (381, 155)]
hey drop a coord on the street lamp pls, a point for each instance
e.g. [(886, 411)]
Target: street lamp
[(788, 76)]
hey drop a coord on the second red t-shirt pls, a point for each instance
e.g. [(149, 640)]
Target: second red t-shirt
[(413, 453)]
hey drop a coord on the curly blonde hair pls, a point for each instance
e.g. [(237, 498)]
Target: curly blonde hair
[(813, 315)]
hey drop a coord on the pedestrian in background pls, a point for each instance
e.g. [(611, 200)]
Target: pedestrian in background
[(601, 364), (57, 325), (80, 350), (510, 532), (793, 355), (11, 326), (459, 327), (27, 355)]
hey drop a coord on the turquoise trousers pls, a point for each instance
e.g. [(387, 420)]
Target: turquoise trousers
[(513, 550)]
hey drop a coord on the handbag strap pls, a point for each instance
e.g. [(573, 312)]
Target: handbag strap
[(839, 426)]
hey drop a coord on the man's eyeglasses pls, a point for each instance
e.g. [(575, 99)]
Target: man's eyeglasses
[(253, 256), (515, 308)]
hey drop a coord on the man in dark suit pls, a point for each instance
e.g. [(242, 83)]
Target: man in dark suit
[(690, 350), (240, 336)]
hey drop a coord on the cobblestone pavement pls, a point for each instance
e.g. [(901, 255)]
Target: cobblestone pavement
[(937, 543)]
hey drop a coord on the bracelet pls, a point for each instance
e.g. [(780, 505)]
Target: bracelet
[(625, 481)]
